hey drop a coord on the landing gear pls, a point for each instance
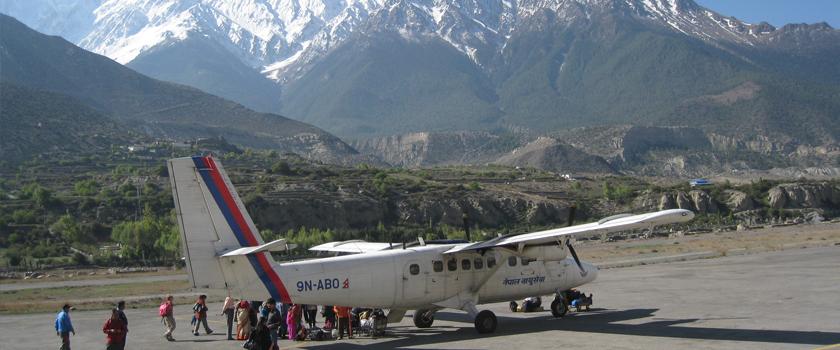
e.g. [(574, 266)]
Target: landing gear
[(424, 318), (513, 306), (485, 322), (559, 307)]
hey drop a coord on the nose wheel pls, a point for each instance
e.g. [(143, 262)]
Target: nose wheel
[(485, 322), (559, 307)]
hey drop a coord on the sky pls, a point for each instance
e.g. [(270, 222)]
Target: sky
[(778, 12)]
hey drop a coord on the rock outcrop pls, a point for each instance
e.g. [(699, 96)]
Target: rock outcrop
[(804, 195), (550, 154)]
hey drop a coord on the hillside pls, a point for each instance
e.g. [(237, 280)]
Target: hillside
[(35, 122), (157, 108)]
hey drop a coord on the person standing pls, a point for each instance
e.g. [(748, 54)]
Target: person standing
[(329, 316), (343, 313), (115, 330), (200, 311), (228, 309), (309, 314), (124, 319), (63, 326), (167, 316), (243, 321), (272, 320), (284, 313), (293, 320)]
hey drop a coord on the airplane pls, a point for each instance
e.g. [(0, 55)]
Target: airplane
[(224, 251)]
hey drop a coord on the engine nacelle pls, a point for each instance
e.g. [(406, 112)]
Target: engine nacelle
[(552, 252)]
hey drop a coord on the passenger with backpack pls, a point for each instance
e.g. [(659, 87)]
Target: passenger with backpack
[(63, 326), (166, 313), (200, 313)]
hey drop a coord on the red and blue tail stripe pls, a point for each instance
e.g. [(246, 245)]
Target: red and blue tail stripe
[(206, 166)]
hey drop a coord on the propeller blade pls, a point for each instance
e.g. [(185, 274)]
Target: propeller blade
[(575, 256)]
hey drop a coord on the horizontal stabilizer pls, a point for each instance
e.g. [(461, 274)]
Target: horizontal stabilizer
[(273, 246)]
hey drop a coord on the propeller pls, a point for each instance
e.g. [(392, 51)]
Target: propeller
[(571, 222)]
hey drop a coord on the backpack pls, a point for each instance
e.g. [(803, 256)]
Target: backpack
[(162, 310)]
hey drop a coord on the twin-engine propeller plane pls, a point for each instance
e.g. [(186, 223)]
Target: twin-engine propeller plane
[(224, 250)]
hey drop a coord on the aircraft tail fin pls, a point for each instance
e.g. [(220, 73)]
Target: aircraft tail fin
[(216, 231)]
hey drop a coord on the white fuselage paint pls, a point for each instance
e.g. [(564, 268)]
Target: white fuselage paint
[(387, 279)]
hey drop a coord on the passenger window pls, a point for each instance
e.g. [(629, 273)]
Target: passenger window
[(491, 261), (526, 261), (478, 263), (437, 265), (452, 265), (512, 261), (414, 269), (465, 264)]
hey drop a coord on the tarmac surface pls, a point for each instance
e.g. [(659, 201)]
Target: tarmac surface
[(786, 299)]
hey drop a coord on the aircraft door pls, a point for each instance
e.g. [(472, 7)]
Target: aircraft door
[(435, 280), (414, 281)]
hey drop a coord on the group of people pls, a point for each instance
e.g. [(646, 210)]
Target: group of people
[(260, 324), (115, 327), (263, 324)]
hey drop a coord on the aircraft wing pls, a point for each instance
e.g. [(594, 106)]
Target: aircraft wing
[(353, 246), (611, 224)]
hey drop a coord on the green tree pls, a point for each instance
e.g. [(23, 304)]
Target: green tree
[(87, 187), (152, 237), (71, 231)]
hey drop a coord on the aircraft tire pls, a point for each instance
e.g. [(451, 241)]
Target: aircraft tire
[(559, 308), (485, 322), (422, 320)]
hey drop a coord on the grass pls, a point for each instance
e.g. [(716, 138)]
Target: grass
[(89, 297)]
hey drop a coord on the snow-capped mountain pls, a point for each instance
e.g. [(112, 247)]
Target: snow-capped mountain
[(281, 37), (361, 67)]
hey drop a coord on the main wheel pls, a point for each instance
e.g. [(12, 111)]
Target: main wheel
[(559, 307), (423, 318), (485, 322), (513, 306)]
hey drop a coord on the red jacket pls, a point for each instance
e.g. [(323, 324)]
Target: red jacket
[(342, 311), (114, 331)]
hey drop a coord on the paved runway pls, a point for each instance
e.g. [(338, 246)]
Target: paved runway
[(788, 299)]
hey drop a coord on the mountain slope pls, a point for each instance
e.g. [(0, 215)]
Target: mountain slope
[(385, 83), (539, 64), (161, 109), (35, 122)]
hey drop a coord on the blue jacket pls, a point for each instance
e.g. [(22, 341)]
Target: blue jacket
[(62, 323)]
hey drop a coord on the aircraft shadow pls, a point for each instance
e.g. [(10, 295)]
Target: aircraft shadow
[(595, 321)]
